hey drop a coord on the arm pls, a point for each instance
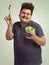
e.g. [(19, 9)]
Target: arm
[(39, 40), (9, 34)]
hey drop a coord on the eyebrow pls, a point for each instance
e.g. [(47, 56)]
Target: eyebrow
[(25, 13)]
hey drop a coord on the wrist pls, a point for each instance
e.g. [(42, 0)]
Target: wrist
[(10, 26), (33, 36)]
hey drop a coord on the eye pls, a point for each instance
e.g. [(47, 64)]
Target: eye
[(23, 12), (28, 13)]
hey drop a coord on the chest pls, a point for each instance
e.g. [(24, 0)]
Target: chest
[(20, 32)]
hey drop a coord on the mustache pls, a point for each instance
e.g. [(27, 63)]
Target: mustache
[(25, 17)]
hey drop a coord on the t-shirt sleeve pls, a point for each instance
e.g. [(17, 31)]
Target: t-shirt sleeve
[(39, 31)]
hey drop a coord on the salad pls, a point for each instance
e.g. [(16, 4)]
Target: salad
[(30, 29)]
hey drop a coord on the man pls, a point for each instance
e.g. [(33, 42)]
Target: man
[(27, 46)]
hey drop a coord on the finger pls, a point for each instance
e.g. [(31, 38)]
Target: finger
[(5, 18), (8, 17), (28, 37)]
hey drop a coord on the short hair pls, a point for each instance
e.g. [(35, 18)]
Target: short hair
[(27, 5)]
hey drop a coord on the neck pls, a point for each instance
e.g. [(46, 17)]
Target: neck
[(23, 24)]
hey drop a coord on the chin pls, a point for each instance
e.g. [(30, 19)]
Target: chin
[(25, 21)]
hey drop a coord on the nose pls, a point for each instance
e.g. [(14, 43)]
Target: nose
[(25, 15)]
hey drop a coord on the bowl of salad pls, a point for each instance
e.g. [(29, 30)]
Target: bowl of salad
[(30, 29)]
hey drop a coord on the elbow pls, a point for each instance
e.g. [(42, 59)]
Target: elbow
[(44, 42), (9, 38)]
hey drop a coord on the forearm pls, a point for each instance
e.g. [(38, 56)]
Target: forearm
[(9, 34), (39, 40)]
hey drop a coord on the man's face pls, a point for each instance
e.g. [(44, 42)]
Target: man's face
[(25, 15)]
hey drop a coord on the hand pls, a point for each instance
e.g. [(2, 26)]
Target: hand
[(8, 20), (30, 35)]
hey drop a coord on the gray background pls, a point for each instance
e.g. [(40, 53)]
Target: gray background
[(40, 15)]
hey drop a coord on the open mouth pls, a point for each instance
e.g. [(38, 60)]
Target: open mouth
[(25, 17)]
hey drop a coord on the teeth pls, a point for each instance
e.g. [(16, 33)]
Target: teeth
[(25, 18)]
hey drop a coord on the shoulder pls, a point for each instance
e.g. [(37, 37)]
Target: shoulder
[(16, 23), (33, 23), (37, 26)]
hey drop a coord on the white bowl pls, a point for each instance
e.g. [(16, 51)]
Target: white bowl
[(30, 29)]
